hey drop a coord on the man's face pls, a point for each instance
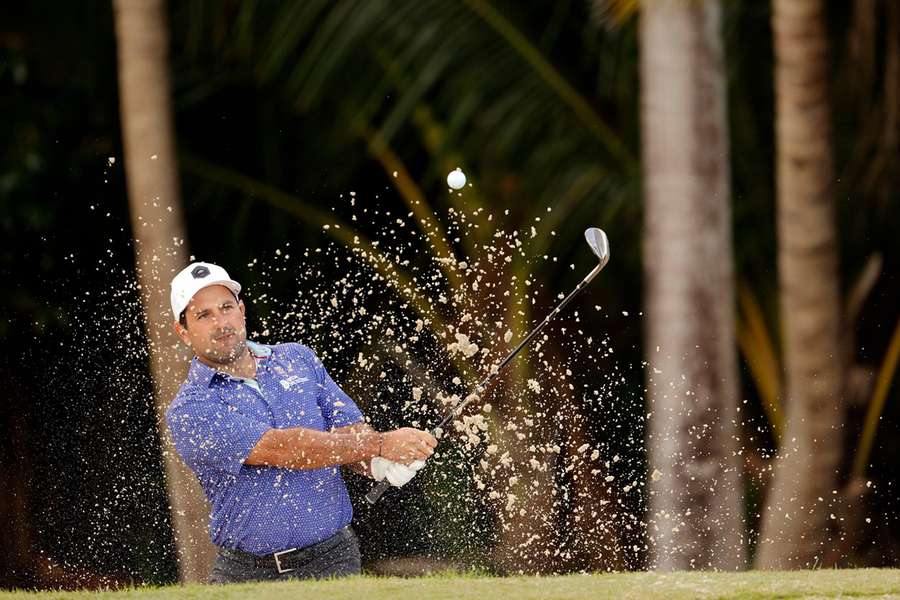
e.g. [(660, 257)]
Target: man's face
[(216, 330)]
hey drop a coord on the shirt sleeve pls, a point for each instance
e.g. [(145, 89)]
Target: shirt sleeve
[(209, 434), (338, 410)]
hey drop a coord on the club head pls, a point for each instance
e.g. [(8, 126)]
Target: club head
[(598, 242)]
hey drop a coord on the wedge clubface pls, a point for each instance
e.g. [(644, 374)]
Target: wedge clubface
[(599, 244)]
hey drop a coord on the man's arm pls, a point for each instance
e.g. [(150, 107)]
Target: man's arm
[(301, 448), (362, 467)]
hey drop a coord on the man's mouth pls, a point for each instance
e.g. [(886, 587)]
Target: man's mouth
[(224, 337)]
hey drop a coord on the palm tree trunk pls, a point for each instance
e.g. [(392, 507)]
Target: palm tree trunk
[(795, 524), (159, 235), (695, 493)]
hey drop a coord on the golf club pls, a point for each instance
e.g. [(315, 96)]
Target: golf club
[(599, 244)]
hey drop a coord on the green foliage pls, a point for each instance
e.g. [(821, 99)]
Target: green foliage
[(527, 132)]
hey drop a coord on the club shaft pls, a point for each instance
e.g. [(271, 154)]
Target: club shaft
[(487, 381), (379, 488)]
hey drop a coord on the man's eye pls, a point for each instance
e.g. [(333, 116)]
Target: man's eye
[(201, 316)]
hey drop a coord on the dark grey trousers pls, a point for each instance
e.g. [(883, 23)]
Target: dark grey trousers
[(338, 556)]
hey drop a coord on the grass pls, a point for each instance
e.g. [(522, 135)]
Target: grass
[(861, 583)]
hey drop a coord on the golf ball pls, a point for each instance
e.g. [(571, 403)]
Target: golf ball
[(456, 179)]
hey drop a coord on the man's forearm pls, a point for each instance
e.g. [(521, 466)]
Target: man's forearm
[(362, 467), (301, 448)]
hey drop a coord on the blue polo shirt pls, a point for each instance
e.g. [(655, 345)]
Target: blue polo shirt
[(216, 420)]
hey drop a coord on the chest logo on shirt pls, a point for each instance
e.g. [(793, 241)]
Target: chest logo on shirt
[(292, 380)]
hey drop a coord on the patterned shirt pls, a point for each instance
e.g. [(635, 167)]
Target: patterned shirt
[(216, 420)]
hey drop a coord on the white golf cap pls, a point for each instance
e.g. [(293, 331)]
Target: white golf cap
[(194, 278)]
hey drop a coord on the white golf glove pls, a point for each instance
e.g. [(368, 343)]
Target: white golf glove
[(396, 473)]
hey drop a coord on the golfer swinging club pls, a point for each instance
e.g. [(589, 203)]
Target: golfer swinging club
[(266, 430)]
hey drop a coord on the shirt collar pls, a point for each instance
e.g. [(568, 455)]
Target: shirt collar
[(259, 350), (202, 375)]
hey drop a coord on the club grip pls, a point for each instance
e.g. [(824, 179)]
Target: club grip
[(377, 490)]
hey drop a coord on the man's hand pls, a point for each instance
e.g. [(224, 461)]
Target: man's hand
[(407, 445), (397, 474)]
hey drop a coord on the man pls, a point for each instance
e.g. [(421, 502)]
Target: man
[(266, 430)]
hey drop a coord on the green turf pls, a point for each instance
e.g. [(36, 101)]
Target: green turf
[(880, 583)]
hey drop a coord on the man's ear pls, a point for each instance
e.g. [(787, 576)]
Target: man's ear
[(241, 306), (182, 333)]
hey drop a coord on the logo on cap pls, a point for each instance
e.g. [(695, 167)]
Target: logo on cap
[(200, 272)]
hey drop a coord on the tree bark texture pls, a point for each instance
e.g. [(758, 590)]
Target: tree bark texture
[(159, 234), (693, 436), (795, 526)]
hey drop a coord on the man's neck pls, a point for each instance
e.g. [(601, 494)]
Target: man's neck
[(245, 366)]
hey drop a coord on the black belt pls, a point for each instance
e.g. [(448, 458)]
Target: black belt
[(286, 560)]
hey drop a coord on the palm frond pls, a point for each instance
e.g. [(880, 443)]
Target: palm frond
[(414, 199), (863, 287), (883, 381), (759, 351), (554, 79), (613, 14), (501, 96), (342, 232)]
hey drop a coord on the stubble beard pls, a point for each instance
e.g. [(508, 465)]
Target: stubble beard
[(227, 356)]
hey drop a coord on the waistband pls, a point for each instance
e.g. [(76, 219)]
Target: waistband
[(286, 560)]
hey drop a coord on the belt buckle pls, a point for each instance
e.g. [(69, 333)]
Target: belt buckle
[(277, 557)]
